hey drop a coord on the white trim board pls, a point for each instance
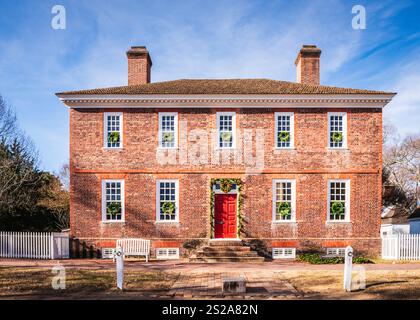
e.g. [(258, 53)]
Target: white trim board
[(226, 101)]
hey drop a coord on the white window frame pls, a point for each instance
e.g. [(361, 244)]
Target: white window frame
[(233, 114), (336, 252), (344, 115), (108, 253), (104, 182), (292, 129), (280, 253), (105, 121), (347, 201), (175, 115), (167, 256), (293, 200), (158, 200)]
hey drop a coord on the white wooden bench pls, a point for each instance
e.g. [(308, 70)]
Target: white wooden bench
[(135, 247)]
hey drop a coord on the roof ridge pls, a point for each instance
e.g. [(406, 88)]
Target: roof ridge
[(225, 86)]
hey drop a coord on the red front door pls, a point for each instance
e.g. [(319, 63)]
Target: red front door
[(225, 216)]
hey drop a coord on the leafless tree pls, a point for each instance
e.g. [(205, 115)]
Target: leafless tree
[(64, 176), (8, 122), (401, 162), (19, 163)]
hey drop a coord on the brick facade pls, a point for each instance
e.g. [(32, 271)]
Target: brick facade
[(311, 163)]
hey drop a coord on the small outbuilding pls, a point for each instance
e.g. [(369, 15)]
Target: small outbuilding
[(414, 221), (394, 220)]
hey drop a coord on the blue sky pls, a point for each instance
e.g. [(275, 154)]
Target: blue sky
[(200, 39)]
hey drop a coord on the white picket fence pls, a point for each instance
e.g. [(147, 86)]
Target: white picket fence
[(401, 247), (34, 245), (135, 247)]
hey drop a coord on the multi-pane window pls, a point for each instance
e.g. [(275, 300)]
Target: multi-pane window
[(336, 251), (337, 130), (338, 202), (112, 200), (283, 200), (167, 200), (168, 127), (284, 129), (113, 130), (226, 129)]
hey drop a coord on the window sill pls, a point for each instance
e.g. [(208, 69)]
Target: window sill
[(111, 148), (337, 222), (284, 222), (110, 221), (225, 149), (337, 148), (167, 148), (166, 222), (284, 148)]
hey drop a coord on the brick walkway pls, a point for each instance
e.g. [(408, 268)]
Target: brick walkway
[(209, 285)]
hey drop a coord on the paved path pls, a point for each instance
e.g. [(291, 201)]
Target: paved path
[(185, 266), (206, 285)]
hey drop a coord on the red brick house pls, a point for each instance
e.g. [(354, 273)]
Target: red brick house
[(284, 165)]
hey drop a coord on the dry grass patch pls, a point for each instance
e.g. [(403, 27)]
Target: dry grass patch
[(399, 284), (37, 282)]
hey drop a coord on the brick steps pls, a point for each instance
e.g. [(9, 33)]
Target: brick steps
[(226, 251), (226, 254), (256, 259), (225, 243), (229, 248)]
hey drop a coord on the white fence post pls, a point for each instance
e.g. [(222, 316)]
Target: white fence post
[(348, 264), (119, 256), (51, 246)]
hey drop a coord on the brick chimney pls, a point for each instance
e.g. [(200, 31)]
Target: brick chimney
[(139, 65), (307, 65)]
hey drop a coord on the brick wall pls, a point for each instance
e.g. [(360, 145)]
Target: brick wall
[(311, 164)]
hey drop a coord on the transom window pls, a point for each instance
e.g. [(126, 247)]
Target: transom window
[(283, 200), (284, 129), (338, 201), (337, 130), (226, 124), (113, 200), (167, 200), (113, 130), (168, 129)]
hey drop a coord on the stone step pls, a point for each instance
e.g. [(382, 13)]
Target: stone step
[(225, 243), (226, 249), (227, 259), (226, 254)]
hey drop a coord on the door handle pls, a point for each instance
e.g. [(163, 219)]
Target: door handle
[(219, 222)]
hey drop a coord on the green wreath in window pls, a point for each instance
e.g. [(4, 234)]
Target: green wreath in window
[(113, 208), (284, 136), (168, 207), (284, 209), (337, 137), (226, 136), (168, 137), (337, 208), (114, 137), (225, 185)]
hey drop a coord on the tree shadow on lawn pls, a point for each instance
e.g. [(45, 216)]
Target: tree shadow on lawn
[(84, 284)]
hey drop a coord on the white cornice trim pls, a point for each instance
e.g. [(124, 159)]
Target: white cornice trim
[(226, 101)]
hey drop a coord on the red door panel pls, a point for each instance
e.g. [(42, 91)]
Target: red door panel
[(225, 216)]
